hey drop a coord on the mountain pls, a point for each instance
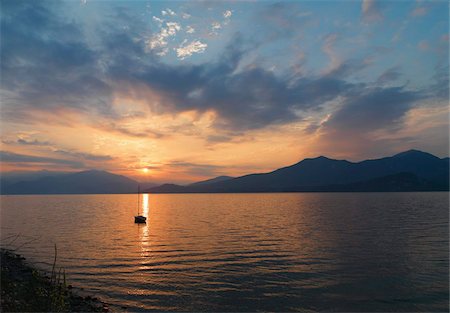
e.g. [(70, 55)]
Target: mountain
[(395, 182), (9, 178), (167, 188), (212, 180), (86, 182), (411, 170), (416, 170)]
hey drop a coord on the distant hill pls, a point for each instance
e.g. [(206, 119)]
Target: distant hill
[(9, 178), (86, 182), (411, 170), (165, 187), (395, 182), (212, 180)]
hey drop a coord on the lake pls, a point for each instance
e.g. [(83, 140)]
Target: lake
[(243, 252)]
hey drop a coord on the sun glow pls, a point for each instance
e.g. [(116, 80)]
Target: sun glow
[(145, 170)]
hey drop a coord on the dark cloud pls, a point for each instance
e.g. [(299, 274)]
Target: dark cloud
[(46, 64), (123, 43), (69, 153), (26, 142), (388, 76), (145, 133), (349, 67), (218, 138), (206, 170), (244, 99), (440, 86), (66, 72), (10, 157), (84, 156), (372, 109)]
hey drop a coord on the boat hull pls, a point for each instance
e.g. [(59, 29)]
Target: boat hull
[(140, 219)]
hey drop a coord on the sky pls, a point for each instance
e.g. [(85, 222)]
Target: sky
[(183, 91)]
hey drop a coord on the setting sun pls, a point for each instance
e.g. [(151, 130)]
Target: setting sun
[(145, 170)]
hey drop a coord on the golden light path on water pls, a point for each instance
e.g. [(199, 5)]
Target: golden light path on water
[(143, 230), (145, 207)]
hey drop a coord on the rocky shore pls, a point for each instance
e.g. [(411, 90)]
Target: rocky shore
[(26, 289)]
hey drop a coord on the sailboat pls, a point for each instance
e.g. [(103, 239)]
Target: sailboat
[(139, 219)]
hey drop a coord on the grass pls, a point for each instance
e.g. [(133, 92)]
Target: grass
[(25, 289)]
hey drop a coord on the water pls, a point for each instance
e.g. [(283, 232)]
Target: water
[(244, 252)]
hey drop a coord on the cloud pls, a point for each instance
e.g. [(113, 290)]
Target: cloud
[(373, 108), (172, 28), (198, 169), (82, 155), (227, 14), (250, 98), (389, 75), (122, 130), (159, 41), (371, 11), (256, 98), (328, 48), (190, 29), (216, 26), (186, 50), (123, 63), (158, 20), (218, 138), (40, 79), (343, 69), (359, 122), (10, 157), (440, 86), (185, 15), (247, 99), (26, 142), (168, 12)]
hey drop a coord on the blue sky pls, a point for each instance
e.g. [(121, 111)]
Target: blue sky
[(195, 89)]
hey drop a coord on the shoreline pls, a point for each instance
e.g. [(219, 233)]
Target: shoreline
[(24, 288)]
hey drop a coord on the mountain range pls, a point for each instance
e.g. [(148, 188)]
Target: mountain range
[(412, 170), (86, 182)]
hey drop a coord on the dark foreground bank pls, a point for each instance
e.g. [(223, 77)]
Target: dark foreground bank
[(26, 289)]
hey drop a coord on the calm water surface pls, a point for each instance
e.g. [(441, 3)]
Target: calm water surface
[(244, 252)]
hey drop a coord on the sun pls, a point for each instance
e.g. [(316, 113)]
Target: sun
[(145, 170)]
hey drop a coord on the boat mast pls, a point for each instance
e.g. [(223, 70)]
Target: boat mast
[(139, 191)]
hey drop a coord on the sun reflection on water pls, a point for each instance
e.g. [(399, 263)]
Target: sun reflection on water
[(144, 232), (145, 207)]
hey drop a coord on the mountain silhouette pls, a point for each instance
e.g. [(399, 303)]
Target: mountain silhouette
[(395, 182), (86, 182), (212, 180), (9, 178), (414, 170), (411, 170)]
